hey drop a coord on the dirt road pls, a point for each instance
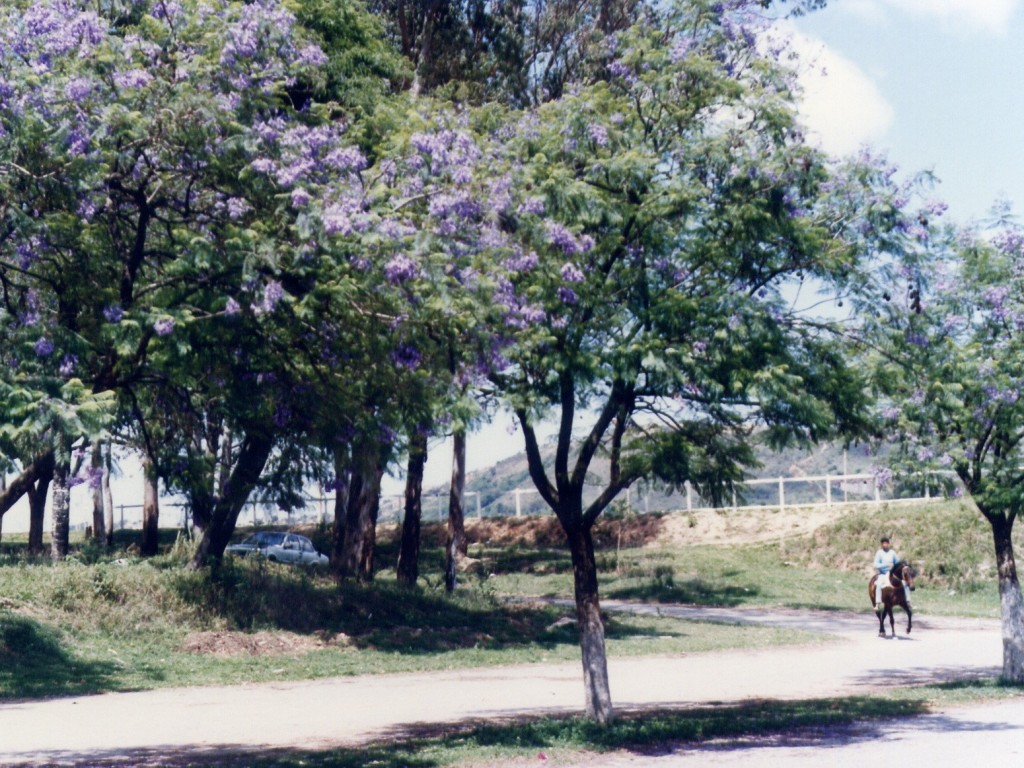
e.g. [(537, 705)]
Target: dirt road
[(150, 727)]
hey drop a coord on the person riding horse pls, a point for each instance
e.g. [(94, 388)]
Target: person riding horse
[(885, 560)]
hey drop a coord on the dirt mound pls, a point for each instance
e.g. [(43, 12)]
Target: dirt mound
[(545, 531), (724, 526), (227, 643)]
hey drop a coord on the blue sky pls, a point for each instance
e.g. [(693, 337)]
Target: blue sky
[(937, 84)]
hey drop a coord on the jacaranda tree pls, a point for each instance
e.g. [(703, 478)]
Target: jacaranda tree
[(949, 363), (668, 228)]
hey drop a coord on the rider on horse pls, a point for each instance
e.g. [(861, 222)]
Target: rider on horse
[(885, 560)]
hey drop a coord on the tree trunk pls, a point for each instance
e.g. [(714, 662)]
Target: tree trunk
[(99, 519), (108, 499), (25, 482), (37, 510), (150, 509), (342, 491), (60, 511), (456, 544), (3, 487), (369, 548), (1010, 602), (409, 552), (588, 614), (361, 515), (252, 458)]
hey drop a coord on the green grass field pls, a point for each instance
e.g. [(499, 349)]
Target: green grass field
[(107, 621)]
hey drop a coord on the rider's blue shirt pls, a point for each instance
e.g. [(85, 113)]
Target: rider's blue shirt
[(884, 561)]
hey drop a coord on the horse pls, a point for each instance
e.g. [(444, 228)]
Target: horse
[(892, 595)]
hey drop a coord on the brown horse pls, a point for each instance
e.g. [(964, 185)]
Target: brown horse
[(892, 595)]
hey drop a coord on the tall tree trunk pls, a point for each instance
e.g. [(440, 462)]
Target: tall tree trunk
[(252, 458), (3, 487), (588, 614), (150, 509), (342, 490), (99, 519), (1010, 602), (37, 509), (369, 549), (409, 552), (456, 544), (108, 497), (60, 511), (360, 517)]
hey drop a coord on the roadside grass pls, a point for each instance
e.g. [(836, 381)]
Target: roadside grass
[(73, 628), (109, 621), (649, 731)]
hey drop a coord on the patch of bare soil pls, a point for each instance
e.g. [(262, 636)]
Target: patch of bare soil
[(228, 643), (724, 526)]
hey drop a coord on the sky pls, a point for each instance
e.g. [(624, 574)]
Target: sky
[(938, 85)]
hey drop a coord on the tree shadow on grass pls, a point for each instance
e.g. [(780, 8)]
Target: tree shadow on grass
[(34, 663), (687, 592), (382, 615), (642, 731)]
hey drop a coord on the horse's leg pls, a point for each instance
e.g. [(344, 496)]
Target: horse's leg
[(892, 619), (910, 616)]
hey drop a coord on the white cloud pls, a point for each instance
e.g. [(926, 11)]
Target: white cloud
[(841, 106), (990, 16)]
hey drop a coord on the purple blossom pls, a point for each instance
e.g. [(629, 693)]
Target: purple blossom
[(407, 356), (560, 236), (337, 221), (238, 207), (300, 197), (232, 307), (572, 273), (133, 79), (532, 205), (400, 268), (272, 294), (113, 313), (43, 347), (78, 89), (68, 365), (164, 326), (264, 165), (883, 476), (312, 56), (567, 295), (598, 134), (346, 159)]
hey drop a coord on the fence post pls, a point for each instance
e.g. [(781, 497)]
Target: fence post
[(519, 509), (828, 491), (689, 497), (782, 494)]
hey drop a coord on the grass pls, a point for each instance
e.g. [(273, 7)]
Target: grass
[(108, 621), (652, 731), (74, 628)]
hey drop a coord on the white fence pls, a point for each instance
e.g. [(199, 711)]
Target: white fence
[(777, 493)]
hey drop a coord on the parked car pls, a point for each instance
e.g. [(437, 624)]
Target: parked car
[(280, 547)]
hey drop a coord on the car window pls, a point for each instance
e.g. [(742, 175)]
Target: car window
[(268, 538)]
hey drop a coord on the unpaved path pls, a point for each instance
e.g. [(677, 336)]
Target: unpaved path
[(158, 727)]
